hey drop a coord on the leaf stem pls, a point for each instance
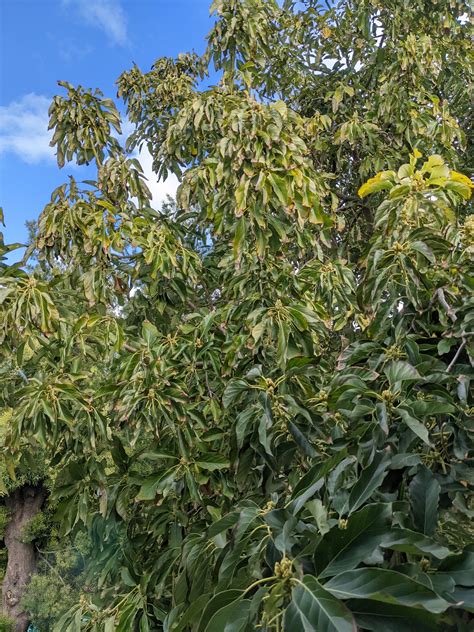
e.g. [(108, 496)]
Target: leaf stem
[(258, 582)]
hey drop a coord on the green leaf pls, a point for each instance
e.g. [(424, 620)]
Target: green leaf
[(232, 391), (399, 191), (431, 407), (424, 498), (314, 608), (460, 568), (282, 346), (464, 598), (399, 461), (280, 187), (148, 489), (319, 513), (239, 236), (216, 603), (415, 426), (414, 543), (438, 174), (241, 196), (422, 248), (387, 586), (154, 484), (344, 549), (312, 481), (460, 188), (144, 624), (149, 333), (230, 618), (298, 318), (226, 522), (212, 462), (382, 416), (109, 624), (369, 480), (70, 621), (127, 578), (301, 440), (401, 371), (463, 388), (242, 426), (377, 616), (193, 614)]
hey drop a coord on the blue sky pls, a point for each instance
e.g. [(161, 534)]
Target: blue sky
[(87, 42)]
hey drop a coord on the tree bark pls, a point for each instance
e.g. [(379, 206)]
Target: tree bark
[(24, 503)]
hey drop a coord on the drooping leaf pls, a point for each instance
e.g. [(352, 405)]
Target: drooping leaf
[(370, 478), (230, 618), (414, 543), (345, 548), (460, 568), (377, 616), (312, 481), (415, 426), (387, 586), (424, 500), (212, 462), (401, 371), (313, 608), (233, 390)]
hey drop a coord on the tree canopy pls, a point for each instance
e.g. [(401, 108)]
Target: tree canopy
[(256, 400)]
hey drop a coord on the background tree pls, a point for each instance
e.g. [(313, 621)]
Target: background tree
[(257, 403)]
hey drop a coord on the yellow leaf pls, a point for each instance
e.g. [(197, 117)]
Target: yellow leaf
[(377, 183), (435, 160), (460, 177)]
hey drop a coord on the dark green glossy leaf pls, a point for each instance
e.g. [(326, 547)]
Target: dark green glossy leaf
[(230, 618), (415, 426), (386, 586), (344, 549), (212, 462), (216, 603), (414, 543), (460, 568), (313, 608), (401, 371), (312, 481), (369, 480), (377, 616), (424, 499)]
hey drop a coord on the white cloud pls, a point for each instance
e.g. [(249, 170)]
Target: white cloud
[(24, 132), (108, 15), (158, 188), (24, 128)]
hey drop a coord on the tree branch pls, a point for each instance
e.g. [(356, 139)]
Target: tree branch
[(457, 354)]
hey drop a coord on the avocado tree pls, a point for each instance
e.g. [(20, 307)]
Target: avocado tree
[(256, 400)]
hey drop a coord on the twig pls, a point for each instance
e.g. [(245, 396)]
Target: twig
[(457, 354), (445, 304), (55, 570)]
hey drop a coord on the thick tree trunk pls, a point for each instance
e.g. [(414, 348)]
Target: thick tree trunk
[(24, 503)]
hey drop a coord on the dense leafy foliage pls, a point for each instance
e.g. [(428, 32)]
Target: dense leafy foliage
[(256, 401), (59, 580)]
